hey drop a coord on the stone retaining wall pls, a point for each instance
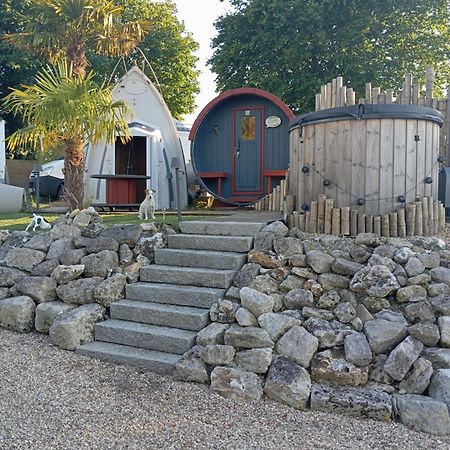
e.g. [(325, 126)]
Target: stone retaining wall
[(63, 281), (353, 325)]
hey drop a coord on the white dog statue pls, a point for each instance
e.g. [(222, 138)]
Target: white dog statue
[(147, 206), (38, 222)]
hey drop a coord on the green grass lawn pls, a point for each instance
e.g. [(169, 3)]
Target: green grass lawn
[(20, 221)]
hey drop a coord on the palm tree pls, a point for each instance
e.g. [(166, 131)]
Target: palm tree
[(67, 30), (61, 107)]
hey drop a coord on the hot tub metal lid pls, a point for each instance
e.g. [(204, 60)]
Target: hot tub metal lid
[(358, 112)]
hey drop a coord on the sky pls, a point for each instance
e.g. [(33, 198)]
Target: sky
[(198, 17)]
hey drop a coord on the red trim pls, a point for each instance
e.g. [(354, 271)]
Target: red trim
[(275, 173), (213, 174), (261, 149), (235, 92)]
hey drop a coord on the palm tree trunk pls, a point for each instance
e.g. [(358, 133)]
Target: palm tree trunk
[(76, 55), (74, 173)]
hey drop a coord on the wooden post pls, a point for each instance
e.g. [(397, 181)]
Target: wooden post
[(401, 228), (345, 221), (350, 97), (278, 202), (377, 225), (368, 93), (419, 219), (291, 221), (410, 215), (313, 218), (329, 202), (436, 216), (385, 225), (323, 96), (429, 84), (441, 217), (369, 224), (393, 219), (321, 213), (415, 94), (342, 95), (317, 102), (430, 216), (408, 85), (361, 223), (353, 222), (375, 94), (307, 221), (283, 189), (274, 199), (289, 204), (389, 96), (425, 218), (336, 221), (333, 93), (301, 222)]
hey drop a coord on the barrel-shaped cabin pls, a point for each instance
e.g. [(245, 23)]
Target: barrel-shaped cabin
[(240, 145), (371, 158)]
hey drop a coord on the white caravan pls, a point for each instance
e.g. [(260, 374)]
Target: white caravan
[(118, 174)]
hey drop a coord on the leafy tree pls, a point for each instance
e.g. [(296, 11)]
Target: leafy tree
[(291, 47), (63, 108), (66, 30), (169, 50)]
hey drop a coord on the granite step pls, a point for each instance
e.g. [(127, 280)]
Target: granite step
[(143, 335), (236, 244), (159, 362), (193, 276), (221, 228), (174, 294), (200, 258), (184, 317)]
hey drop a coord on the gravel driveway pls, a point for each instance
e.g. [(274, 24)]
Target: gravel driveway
[(55, 399)]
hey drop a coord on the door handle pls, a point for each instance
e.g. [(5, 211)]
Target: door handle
[(238, 148)]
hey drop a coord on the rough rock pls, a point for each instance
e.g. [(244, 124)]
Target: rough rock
[(437, 289), (212, 334), (374, 281), (419, 312), (423, 413), (264, 283), (328, 300), (430, 260), (298, 298), (383, 335), (41, 242), (355, 402), (345, 267), (263, 241), (79, 291), (444, 328), (256, 302), (218, 355), (124, 234), (317, 313), (245, 318), (255, 360), (330, 281), (401, 359), (418, 379), (331, 367), (125, 255), (427, 333), (236, 384), (414, 267), (287, 246), (330, 333), (100, 243), (411, 294), (191, 368), (357, 349), (319, 261), (377, 373), (369, 239), (248, 337), (223, 311), (47, 312), (64, 274), (59, 246), (24, 258), (62, 230), (298, 345), (110, 290), (288, 382), (45, 268), (40, 289), (265, 260), (17, 313), (439, 357), (278, 228), (439, 388), (440, 275), (441, 305), (276, 324), (345, 312), (72, 257), (100, 264)]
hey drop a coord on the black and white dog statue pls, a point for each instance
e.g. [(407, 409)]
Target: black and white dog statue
[(38, 222)]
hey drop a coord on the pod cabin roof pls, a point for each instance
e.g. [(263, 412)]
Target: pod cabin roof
[(240, 144)]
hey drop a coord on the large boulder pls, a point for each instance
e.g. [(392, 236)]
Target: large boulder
[(298, 345), (59, 247), (276, 324), (191, 368), (236, 384), (401, 359), (330, 333), (357, 349), (444, 328), (17, 313), (288, 382), (40, 289), (355, 402), (47, 312), (79, 291), (218, 355), (214, 333), (9, 276), (100, 264), (100, 243), (256, 302), (319, 261), (383, 335), (76, 327), (110, 290), (24, 258), (418, 379), (423, 413), (255, 360), (64, 274), (124, 234), (374, 281), (440, 386), (248, 337)]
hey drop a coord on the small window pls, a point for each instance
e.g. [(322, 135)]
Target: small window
[(248, 128)]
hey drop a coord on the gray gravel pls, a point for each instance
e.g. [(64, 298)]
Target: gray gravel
[(55, 399)]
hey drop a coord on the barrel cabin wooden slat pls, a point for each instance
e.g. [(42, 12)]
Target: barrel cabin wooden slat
[(371, 158)]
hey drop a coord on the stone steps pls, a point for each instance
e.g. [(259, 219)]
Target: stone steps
[(161, 315), (159, 362), (200, 258), (142, 335), (221, 228), (236, 244), (192, 276), (185, 317), (172, 294)]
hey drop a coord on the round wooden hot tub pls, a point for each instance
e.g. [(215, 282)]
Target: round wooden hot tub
[(372, 158)]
